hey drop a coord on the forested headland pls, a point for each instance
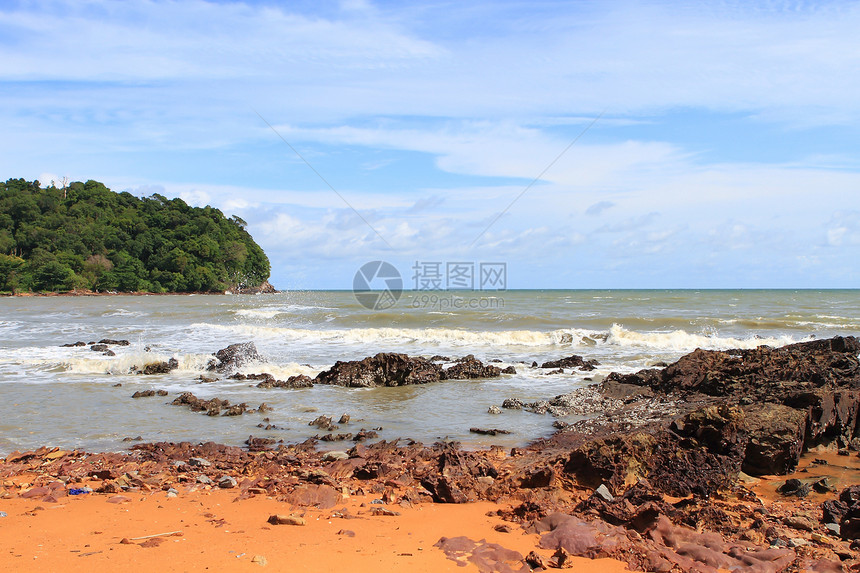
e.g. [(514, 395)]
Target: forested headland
[(84, 236)]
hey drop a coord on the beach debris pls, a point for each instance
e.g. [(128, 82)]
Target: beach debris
[(259, 560), (177, 533)]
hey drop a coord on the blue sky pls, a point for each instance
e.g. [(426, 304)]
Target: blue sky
[(726, 154)]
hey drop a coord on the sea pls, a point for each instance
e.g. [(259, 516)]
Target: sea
[(74, 397)]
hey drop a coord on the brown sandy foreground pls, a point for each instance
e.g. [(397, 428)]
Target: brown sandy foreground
[(209, 530)]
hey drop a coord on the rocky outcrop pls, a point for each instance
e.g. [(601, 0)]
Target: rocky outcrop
[(781, 401), (234, 356), (573, 361), (384, 369), (470, 367), (763, 374)]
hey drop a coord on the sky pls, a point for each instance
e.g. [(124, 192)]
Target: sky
[(604, 144)]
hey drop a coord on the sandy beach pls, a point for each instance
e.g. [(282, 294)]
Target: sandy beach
[(211, 530)]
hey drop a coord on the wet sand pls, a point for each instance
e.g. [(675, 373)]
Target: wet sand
[(208, 530)]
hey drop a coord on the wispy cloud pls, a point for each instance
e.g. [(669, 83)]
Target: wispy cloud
[(431, 118)]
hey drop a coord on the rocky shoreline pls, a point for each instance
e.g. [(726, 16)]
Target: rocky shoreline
[(659, 475)]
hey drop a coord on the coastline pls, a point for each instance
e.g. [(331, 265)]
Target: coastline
[(265, 288), (679, 468)]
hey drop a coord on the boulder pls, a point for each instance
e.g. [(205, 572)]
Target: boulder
[(776, 438), (235, 356)]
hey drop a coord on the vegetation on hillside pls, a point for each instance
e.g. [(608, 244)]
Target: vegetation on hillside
[(85, 236)]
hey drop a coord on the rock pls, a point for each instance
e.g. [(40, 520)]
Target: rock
[(794, 487), (334, 456), (259, 444), (763, 374), (509, 370), (541, 477), (572, 362), (799, 523), (236, 355), (259, 560), (114, 342), (199, 462), (776, 438), (227, 482), (279, 519), (73, 344), (323, 423), (293, 382), (604, 493), (211, 407), (149, 393), (159, 367), (512, 404), (344, 419), (470, 367), (488, 432), (384, 369), (535, 561), (99, 347), (494, 410)]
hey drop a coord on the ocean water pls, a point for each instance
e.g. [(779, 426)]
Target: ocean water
[(77, 398)]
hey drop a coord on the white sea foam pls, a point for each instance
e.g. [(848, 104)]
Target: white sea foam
[(682, 341), (446, 336), (127, 362)]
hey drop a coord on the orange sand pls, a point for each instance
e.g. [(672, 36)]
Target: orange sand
[(84, 533)]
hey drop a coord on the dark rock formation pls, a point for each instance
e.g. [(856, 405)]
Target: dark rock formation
[(764, 374), (235, 356), (114, 342), (293, 382), (470, 367), (384, 369), (157, 367), (573, 361)]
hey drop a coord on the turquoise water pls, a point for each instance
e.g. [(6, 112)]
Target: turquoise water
[(69, 397)]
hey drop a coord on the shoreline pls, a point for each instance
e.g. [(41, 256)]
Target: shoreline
[(672, 468)]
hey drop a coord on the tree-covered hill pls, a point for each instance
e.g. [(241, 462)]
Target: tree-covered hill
[(85, 236)]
